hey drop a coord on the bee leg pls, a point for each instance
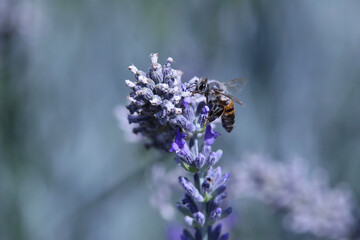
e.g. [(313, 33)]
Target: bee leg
[(216, 112), (193, 92)]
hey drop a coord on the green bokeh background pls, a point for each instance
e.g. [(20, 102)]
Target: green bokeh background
[(66, 170)]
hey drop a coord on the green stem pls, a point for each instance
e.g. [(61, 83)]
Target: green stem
[(196, 146)]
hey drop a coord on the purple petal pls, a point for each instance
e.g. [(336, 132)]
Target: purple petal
[(203, 115), (190, 189), (186, 101), (210, 135), (189, 114), (181, 149), (216, 214), (224, 179), (174, 147), (225, 236), (206, 150), (219, 190), (216, 232), (200, 161), (205, 110), (189, 220), (179, 142), (186, 155), (198, 234), (210, 160), (205, 186), (219, 154), (212, 157), (183, 87), (199, 218), (219, 198), (182, 122), (215, 173), (189, 203), (226, 212)]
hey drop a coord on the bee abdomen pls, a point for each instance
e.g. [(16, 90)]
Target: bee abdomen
[(228, 122), (228, 118)]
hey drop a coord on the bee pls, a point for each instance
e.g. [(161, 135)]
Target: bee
[(220, 102), (210, 180)]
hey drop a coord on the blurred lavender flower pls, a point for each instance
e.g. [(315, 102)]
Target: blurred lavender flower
[(164, 186), (310, 204), (120, 113), (24, 18), (171, 118)]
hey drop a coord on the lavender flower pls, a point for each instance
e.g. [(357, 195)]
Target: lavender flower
[(156, 103), (171, 118)]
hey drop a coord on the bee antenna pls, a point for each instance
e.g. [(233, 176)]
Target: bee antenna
[(190, 86)]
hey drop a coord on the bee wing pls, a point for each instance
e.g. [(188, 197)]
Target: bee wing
[(236, 85), (231, 97)]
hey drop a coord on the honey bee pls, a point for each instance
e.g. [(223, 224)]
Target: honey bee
[(210, 180), (220, 102)]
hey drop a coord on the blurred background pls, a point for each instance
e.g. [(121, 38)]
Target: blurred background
[(67, 171)]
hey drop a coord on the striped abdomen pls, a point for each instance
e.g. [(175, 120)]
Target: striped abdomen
[(228, 117)]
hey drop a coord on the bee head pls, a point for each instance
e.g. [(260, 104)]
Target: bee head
[(202, 85)]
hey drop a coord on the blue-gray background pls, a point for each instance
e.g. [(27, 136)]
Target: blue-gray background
[(63, 65)]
